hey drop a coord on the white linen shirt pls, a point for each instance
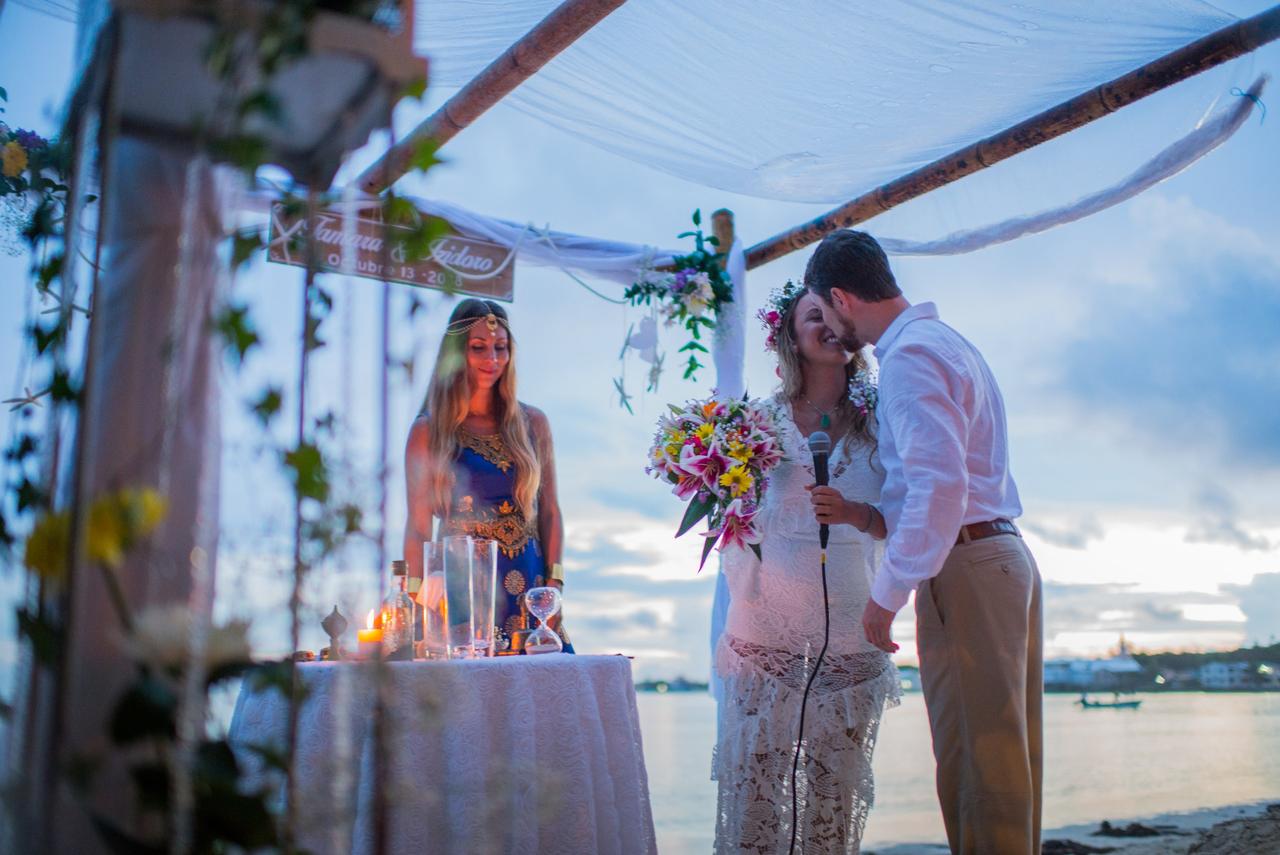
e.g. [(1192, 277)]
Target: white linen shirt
[(944, 446)]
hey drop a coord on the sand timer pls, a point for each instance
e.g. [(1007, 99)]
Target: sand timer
[(543, 604)]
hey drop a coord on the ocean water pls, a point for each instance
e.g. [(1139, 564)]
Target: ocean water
[(1178, 752)]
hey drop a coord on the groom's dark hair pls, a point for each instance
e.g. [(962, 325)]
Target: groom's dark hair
[(853, 262)]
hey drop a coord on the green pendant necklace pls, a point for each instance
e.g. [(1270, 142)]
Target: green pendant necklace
[(825, 421)]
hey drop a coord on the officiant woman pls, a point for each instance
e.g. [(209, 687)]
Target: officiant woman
[(481, 463)]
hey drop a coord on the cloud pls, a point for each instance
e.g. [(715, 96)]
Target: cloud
[(1260, 602), (1216, 522), (1076, 536), (1188, 360), (1124, 608)]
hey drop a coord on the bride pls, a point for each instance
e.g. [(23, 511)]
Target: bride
[(774, 629)]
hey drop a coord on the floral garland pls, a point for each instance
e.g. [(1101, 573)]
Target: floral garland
[(775, 308), (25, 158), (864, 391), (690, 293)]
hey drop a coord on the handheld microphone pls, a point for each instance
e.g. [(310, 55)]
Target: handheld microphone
[(820, 448)]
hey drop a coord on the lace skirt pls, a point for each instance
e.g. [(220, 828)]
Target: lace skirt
[(759, 721)]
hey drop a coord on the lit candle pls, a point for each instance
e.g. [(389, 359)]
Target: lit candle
[(369, 641)]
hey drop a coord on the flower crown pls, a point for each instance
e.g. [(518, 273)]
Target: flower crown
[(775, 309)]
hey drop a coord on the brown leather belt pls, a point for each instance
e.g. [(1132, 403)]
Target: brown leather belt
[(980, 530)]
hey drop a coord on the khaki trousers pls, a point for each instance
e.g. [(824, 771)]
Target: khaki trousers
[(980, 637)]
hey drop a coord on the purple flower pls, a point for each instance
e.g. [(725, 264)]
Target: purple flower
[(30, 140)]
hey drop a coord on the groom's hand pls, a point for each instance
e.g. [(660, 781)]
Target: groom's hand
[(877, 623)]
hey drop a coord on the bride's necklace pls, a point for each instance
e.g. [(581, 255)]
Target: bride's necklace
[(825, 416)]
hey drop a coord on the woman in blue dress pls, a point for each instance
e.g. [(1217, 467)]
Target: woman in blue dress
[(482, 463)]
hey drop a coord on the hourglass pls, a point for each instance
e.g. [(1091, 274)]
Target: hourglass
[(543, 604)]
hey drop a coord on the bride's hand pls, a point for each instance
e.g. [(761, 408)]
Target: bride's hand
[(829, 506)]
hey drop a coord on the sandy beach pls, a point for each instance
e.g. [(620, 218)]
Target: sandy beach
[(1182, 831)]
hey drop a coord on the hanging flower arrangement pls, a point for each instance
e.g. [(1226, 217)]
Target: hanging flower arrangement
[(689, 293)]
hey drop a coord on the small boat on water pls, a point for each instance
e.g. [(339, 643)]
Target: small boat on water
[(1114, 704)]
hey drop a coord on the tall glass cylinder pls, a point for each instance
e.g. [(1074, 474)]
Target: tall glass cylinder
[(434, 628), (484, 575), (469, 569)]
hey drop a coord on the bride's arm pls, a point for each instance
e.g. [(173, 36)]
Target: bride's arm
[(869, 520), (832, 508)]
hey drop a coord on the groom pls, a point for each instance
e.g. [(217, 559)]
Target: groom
[(949, 502)]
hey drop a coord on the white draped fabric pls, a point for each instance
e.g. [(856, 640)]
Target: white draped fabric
[(514, 754), (839, 100)]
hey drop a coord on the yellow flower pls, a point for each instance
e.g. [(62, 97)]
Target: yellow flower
[(738, 480), (14, 158), (118, 520), (740, 451), (46, 551), (705, 432)]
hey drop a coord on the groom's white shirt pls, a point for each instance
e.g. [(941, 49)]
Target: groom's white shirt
[(943, 442)]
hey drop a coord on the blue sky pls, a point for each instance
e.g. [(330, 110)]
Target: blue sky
[(1138, 352)]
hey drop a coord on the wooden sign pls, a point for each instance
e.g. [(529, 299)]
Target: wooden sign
[(456, 263)]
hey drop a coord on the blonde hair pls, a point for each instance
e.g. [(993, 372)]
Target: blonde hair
[(448, 401), (846, 417)]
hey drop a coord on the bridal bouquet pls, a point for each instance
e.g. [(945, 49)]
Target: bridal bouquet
[(718, 455)]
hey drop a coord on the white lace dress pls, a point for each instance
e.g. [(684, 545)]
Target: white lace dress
[(772, 637)]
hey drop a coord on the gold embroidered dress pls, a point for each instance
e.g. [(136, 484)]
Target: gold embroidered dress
[(484, 505)]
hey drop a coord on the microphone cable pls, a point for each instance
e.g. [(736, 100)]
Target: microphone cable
[(804, 702)]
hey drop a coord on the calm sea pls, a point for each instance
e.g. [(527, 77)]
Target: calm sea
[(1178, 752)]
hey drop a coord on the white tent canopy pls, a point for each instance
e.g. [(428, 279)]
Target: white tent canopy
[(828, 100)]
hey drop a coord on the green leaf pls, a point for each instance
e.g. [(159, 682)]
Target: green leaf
[(243, 246), (267, 406), (120, 842), (61, 388), (4, 94), (30, 495), (697, 216), (146, 711), (691, 368), (682, 236), (424, 155), (697, 510), (263, 103), (693, 345), (352, 518), (151, 783), (44, 635), (713, 240), (707, 546), (310, 476), (416, 89), (236, 328)]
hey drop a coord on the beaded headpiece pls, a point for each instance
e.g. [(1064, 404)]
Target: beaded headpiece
[(491, 321), (775, 309)]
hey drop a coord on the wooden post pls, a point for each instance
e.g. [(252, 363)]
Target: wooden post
[(722, 228), (517, 64), (1201, 55)]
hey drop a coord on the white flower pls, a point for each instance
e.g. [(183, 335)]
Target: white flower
[(162, 638), (702, 279)]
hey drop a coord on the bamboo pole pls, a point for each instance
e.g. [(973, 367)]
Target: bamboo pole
[(517, 64), (1201, 55)]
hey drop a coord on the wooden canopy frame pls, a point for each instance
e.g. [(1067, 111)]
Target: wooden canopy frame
[(573, 18)]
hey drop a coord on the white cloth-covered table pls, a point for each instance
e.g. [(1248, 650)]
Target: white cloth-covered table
[(516, 754)]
